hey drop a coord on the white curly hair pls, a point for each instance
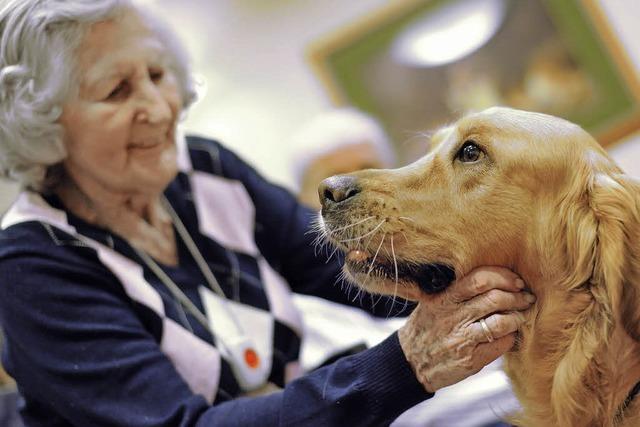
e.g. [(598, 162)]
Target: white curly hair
[(38, 73)]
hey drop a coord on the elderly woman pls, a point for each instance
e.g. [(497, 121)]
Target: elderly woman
[(147, 277)]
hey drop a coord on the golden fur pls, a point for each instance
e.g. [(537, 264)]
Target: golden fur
[(546, 201)]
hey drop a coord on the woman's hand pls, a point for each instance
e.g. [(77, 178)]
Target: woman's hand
[(445, 340)]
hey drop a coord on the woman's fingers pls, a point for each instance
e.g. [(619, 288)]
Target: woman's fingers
[(452, 335), (496, 326), (496, 337), (496, 301), (488, 352), (482, 280)]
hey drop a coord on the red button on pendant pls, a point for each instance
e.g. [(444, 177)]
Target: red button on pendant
[(251, 358)]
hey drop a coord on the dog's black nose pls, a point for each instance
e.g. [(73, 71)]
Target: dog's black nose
[(337, 189)]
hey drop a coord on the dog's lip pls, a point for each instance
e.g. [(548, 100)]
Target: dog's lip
[(431, 278), (357, 256)]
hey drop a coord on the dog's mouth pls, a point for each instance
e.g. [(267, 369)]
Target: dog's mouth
[(430, 278)]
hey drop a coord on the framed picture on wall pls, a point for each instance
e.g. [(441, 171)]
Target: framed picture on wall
[(418, 64)]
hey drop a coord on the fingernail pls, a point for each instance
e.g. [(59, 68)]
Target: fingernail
[(520, 283), (520, 316), (530, 298)]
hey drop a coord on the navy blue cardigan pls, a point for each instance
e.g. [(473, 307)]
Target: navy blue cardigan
[(94, 339)]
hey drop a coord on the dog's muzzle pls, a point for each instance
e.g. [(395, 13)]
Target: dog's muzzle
[(335, 193)]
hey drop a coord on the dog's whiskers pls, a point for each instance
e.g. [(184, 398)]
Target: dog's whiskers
[(324, 234), (373, 261), (345, 284), (366, 234), (406, 239), (395, 268), (375, 301), (321, 241), (339, 229), (358, 291), (366, 245), (329, 256), (342, 232), (406, 218)]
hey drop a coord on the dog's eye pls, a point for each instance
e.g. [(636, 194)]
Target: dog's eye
[(469, 153)]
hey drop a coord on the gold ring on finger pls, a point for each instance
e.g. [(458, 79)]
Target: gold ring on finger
[(487, 332)]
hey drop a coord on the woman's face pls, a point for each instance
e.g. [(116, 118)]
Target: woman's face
[(120, 128)]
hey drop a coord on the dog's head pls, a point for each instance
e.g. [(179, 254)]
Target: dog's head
[(523, 190), (495, 188)]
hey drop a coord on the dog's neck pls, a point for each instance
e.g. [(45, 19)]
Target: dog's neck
[(534, 366), (624, 357), (630, 400)]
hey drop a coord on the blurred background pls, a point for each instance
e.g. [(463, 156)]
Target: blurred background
[(258, 83)]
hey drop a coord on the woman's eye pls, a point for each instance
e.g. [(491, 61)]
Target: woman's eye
[(156, 75), (470, 152), (118, 91)]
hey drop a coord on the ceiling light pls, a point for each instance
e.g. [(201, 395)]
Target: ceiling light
[(450, 33)]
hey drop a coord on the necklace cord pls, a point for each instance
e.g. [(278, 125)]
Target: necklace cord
[(177, 293), (199, 259)]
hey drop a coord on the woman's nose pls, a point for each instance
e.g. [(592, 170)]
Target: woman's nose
[(154, 107), (337, 189)]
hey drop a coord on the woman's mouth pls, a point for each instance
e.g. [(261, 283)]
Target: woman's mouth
[(145, 145)]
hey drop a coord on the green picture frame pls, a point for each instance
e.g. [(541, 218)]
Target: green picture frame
[(354, 66)]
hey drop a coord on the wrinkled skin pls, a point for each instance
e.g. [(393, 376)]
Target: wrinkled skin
[(443, 340)]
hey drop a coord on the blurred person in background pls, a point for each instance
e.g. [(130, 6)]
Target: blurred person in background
[(147, 276), (336, 142)]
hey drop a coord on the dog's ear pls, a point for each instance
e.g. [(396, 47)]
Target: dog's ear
[(616, 202), (604, 250)]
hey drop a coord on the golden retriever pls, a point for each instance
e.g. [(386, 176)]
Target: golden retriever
[(533, 193)]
